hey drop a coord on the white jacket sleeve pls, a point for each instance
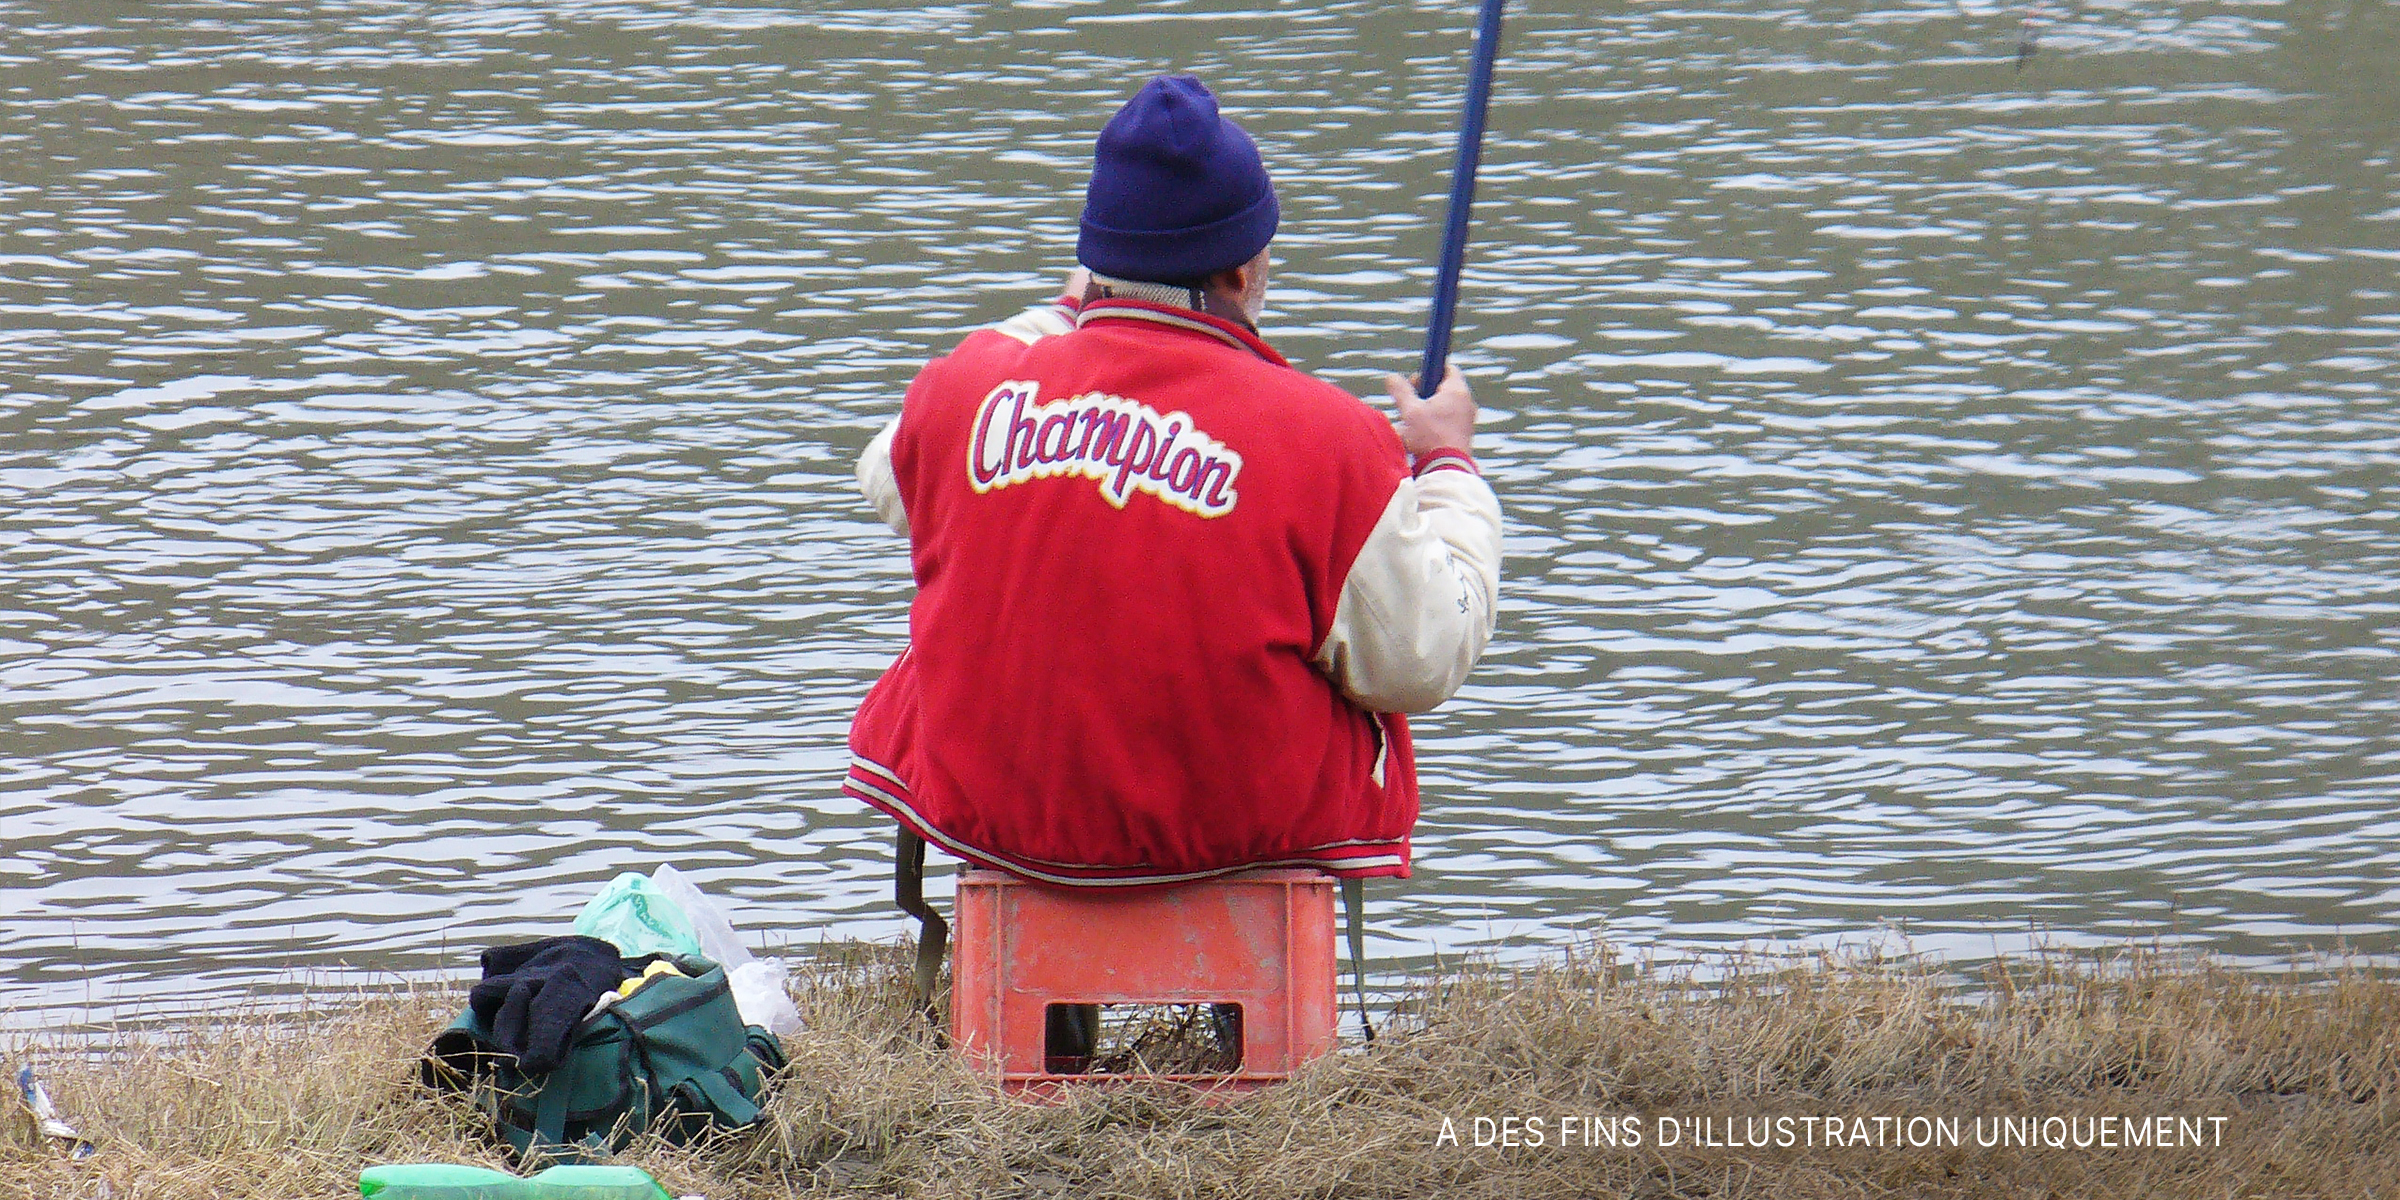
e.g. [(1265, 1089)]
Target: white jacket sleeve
[(1038, 322), (1418, 606), (875, 476)]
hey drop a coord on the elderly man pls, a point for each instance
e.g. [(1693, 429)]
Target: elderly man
[(1173, 594)]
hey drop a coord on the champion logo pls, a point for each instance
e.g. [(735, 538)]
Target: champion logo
[(1125, 445)]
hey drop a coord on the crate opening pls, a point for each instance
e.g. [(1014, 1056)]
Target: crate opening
[(1142, 1039)]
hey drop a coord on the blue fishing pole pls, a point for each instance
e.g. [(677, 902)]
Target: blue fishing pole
[(1462, 198)]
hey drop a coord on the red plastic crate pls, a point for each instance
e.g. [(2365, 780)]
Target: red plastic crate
[(1261, 939)]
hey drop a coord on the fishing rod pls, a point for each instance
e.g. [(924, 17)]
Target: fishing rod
[(1462, 198)]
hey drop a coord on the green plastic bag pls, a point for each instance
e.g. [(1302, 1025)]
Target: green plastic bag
[(640, 918), (446, 1181)]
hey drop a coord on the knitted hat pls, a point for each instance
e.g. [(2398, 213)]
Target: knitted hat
[(1178, 192)]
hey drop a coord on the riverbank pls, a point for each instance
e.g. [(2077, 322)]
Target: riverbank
[(2133, 1074)]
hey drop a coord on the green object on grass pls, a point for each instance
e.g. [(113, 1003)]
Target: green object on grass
[(448, 1181), (639, 917)]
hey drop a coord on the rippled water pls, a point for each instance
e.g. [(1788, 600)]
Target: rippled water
[(1943, 498)]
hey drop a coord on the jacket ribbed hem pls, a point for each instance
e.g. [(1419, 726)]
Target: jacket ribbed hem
[(881, 787)]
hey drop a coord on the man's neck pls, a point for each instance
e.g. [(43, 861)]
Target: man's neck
[(1215, 302)]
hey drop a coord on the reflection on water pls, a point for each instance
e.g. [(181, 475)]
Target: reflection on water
[(1941, 498)]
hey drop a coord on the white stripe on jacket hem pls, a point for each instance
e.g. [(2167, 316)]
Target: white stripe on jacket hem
[(882, 787)]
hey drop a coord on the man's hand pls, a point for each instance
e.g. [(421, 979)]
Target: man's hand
[(1444, 420), (1079, 281)]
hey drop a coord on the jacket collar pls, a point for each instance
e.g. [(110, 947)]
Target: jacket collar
[(1119, 308)]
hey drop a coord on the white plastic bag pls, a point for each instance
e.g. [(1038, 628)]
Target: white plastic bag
[(757, 985), (759, 994), (718, 943)]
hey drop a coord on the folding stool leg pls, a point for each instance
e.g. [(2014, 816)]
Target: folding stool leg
[(1354, 898), (933, 933)]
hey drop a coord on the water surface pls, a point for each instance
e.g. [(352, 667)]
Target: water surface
[(1945, 501)]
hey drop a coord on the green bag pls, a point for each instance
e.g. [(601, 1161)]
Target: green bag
[(639, 917), (673, 1056)]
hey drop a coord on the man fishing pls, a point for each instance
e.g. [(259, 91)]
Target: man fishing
[(1173, 594)]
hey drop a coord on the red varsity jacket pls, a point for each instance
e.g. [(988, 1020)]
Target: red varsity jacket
[(1129, 541)]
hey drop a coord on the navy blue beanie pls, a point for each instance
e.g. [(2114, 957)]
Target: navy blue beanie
[(1178, 193)]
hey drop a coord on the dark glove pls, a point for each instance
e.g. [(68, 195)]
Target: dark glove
[(534, 994)]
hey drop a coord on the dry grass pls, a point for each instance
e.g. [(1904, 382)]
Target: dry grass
[(2304, 1067)]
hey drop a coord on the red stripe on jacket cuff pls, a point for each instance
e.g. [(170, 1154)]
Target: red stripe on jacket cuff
[(1446, 459)]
